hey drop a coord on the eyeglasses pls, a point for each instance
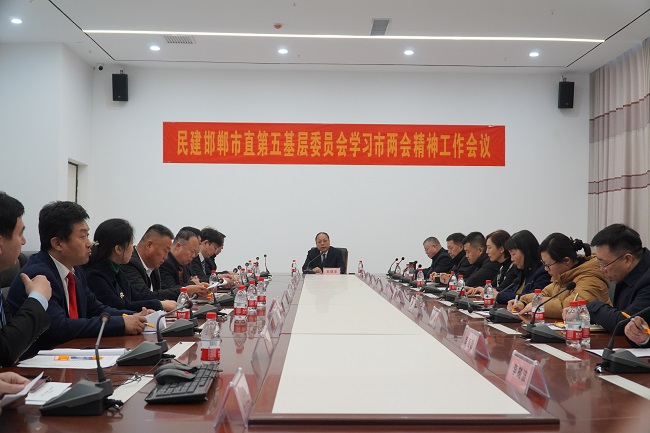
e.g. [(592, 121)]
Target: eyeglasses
[(599, 263), (548, 265)]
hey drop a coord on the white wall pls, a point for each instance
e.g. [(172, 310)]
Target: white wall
[(54, 106), (377, 212), (45, 119)]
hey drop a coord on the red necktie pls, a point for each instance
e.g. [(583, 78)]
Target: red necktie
[(72, 297)]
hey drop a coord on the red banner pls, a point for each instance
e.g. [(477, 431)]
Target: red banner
[(333, 144)]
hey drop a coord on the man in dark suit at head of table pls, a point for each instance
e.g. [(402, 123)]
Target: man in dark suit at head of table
[(323, 256), (73, 308)]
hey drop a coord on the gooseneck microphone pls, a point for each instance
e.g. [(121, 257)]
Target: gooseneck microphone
[(390, 268), (101, 378), (266, 273), (307, 269), (542, 333), (85, 398), (623, 361)]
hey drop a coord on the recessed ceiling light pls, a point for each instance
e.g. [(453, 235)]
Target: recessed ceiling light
[(154, 48), (16, 21), (408, 52), (283, 51), (534, 54)]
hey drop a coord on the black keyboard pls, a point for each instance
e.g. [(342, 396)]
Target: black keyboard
[(184, 392)]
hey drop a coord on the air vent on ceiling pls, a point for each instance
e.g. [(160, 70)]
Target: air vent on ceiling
[(379, 26), (180, 39)]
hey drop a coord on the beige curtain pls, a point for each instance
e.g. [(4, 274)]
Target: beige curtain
[(619, 143)]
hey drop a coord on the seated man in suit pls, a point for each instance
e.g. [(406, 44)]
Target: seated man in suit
[(623, 260), (17, 333), (73, 309), (440, 258), (175, 271), (475, 247), (204, 263), (323, 256)]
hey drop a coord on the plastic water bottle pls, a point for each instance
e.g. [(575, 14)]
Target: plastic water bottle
[(398, 269), (294, 268), (261, 293), (536, 302), (183, 299), (573, 326), (460, 285), (585, 318), (360, 267), (488, 294), (252, 298), (452, 281), (210, 341), (420, 278), (241, 304), (256, 270)]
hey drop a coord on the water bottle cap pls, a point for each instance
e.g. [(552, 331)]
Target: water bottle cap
[(488, 282), (184, 289), (260, 279), (582, 302), (211, 315), (242, 287), (538, 290), (573, 303), (214, 271), (460, 275)]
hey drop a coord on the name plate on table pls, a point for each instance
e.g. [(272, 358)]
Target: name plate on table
[(413, 305), (266, 336), (331, 271), (474, 343), (438, 319), (239, 388), (525, 373)]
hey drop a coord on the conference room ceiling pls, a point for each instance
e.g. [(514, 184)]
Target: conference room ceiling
[(253, 40)]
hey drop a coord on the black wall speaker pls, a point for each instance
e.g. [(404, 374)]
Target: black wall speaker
[(565, 94), (121, 87)]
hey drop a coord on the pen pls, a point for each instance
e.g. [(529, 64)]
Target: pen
[(75, 358), (627, 316), (148, 324)]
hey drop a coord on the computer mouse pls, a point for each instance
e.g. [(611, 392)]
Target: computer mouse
[(176, 366), (171, 375)]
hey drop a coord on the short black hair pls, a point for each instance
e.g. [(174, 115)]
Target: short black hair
[(10, 210), (526, 242), (456, 238), (475, 239), (157, 230), (56, 219), (213, 236), (185, 234), (431, 240), (620, 239), (321, 233), (194, 230), (558, 246)]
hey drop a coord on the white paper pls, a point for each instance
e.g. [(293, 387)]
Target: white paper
[(152, 319), (83, 352), (125, 392), (504, 329), (180, 348), (472, 315), (47, 391), (555, 352), (9, 398), (628, 385), (41, 361)]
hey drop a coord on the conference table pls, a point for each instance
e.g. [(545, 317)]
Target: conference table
[(347, 356)]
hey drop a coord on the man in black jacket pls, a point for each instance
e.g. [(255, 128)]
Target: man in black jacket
[(460, 265), (17, 333), (440, 259), (474, 245), (623, 260), (175, 272)]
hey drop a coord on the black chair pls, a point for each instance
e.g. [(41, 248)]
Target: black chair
[(344, 253)]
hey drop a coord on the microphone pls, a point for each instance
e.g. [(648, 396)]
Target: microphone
[(623, 361), (395, 276), (390, 268), (101, 379), (85, 398), (502, 315), (307, 269), (542, 333), (266, 273)]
